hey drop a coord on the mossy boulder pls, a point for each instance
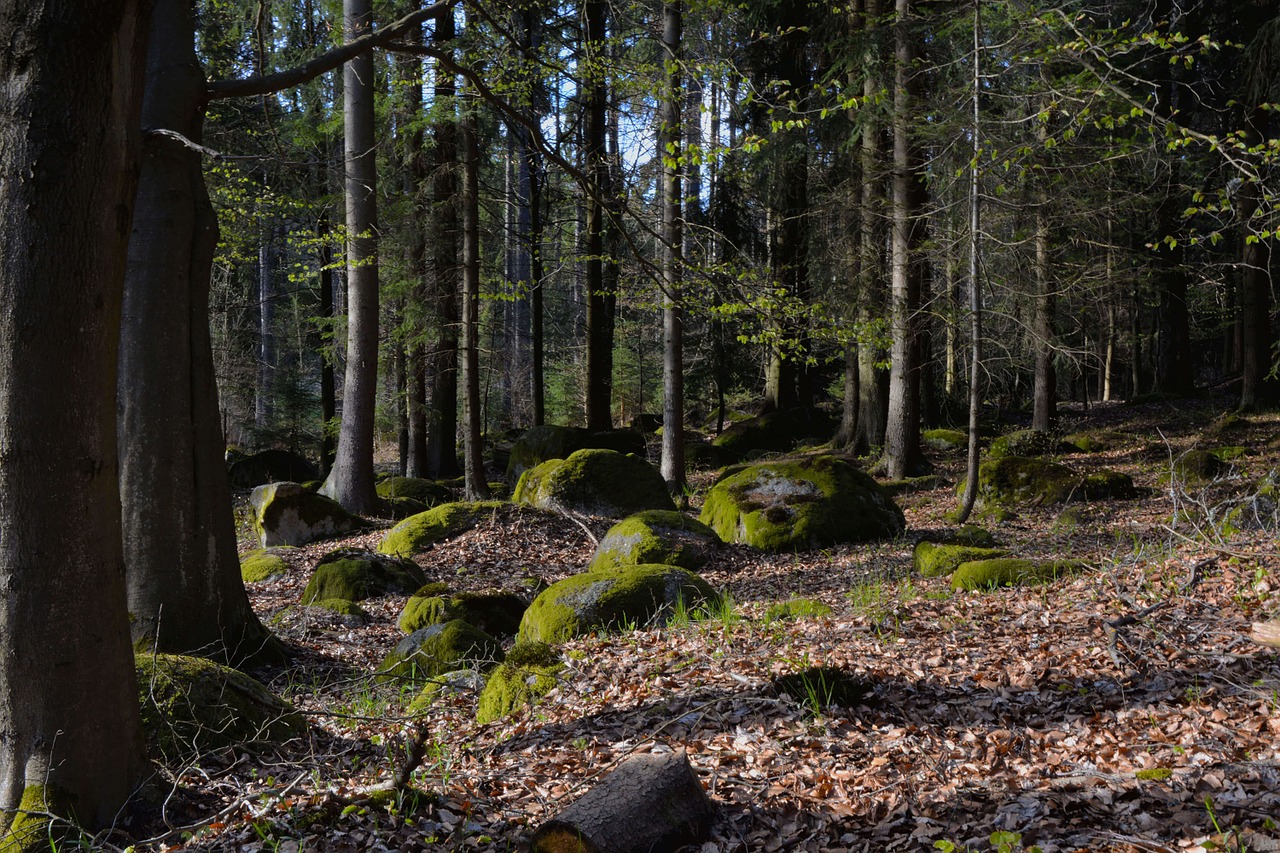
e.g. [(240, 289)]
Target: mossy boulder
[(429, 493), (635, 595), (354, 574), (776, 432), (656, 536), (529, 672), (802, 503), (432, 651), (494, 611), (270, 466), (1020, 480), (538, 444), (459, 681), (287, 514), (935, 560), (595, 482), (347, 612), (945, 439), (192, 705), (1010, 571), (265, 564), (1096, 441), (1028, 442), (423, 531), (32, 827)]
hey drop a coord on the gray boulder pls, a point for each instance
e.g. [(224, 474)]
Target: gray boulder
[(288, 514)]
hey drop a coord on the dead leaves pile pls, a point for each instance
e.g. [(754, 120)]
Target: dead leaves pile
[(1017, 717)]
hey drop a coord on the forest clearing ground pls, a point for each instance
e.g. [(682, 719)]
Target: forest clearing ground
[(1012, 710)]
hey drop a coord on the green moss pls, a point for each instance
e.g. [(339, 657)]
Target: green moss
[(1015, 480), (1095, 442), (352, 613), (421, 611), (635, 595), (596, 482), (355, 574), (468, 681), (796, 608), (400, 508), (973, 536), (287, 514), (1229, 453), (1198, 467), (656, 536), (29, 829), (192, 705), (945, 439), (431, 588), (911, 485), (1227, 424), (935, 560), (529, 672), (437, 649), (1009, 571), (805, 503), (775, 432), (538, 444), (263, 565), (420, 532), (1107, 485), (494, 611), (1154, 774), (427, 492), (1068, 520), (1026, 442)]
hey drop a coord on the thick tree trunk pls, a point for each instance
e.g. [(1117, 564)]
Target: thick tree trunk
[(599, 379), (473, 463), (651, 802), (350, 482), (184, 586), (671, 144), (70, 97), (902, 455)]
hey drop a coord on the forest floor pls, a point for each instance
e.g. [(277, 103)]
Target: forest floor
[(997, 720)]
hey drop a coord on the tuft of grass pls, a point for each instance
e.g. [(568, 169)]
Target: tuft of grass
[(796, 608)]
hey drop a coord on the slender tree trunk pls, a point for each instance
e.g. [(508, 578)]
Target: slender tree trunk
[(264, 403), (350, 482), (415, 186), (975, 287), (846, 437), (476, 486), (902, 456), (70, 94), (328, 395), (873, 379), (1255, 295), (184, 586), (1044, 395), (599, 380), (670, 146), (1173, 339)]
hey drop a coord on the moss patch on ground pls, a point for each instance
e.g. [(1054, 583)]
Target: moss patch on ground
[(1027, 442), (1010, 571), (796, 608), (529, 672), (437, 649), (468, 681), (355, 574), (595, 482), (935, 560), (192, 705), (656, 536), (427, 492), (945, 439), (438, 524), (801, 503), (265, 564), (632, 596)]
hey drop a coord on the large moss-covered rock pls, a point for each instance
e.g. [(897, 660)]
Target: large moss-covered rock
[(421, 532), (429, 493), (269, 466), (432, 651), (936, 559), (1020, 480), (529, 672), (945, 439), (801, 503), (633, 596), (1095, 441), (1010, 571), (354, 574), (494, 611), (1027, 442), (192, 705), (1199, 467), (265, 564), (343, 610), (538, 444), (287, 514), (595, 482), (776, 432), (656, 536)]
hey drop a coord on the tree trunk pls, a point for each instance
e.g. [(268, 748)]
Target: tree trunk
[(350, 482), (70, 92), (972, 460), (184, 587), (264, 402), (1255, 295), (902, 455), (328, 395), (670, 145), (599, 332), (473, 463), (1044, 395), (651, 802), (873, 380), (415, 185)]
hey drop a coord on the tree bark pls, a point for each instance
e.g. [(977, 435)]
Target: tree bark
[(1255, 294), (350, 483), (473, 463), (1044, 396), (873, 379), (184, 587), (670, 145), (599, 381), (70, 93), (328, 395), (651, 802)]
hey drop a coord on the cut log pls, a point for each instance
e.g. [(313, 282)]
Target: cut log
[(1267, 633), (649, 804)]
